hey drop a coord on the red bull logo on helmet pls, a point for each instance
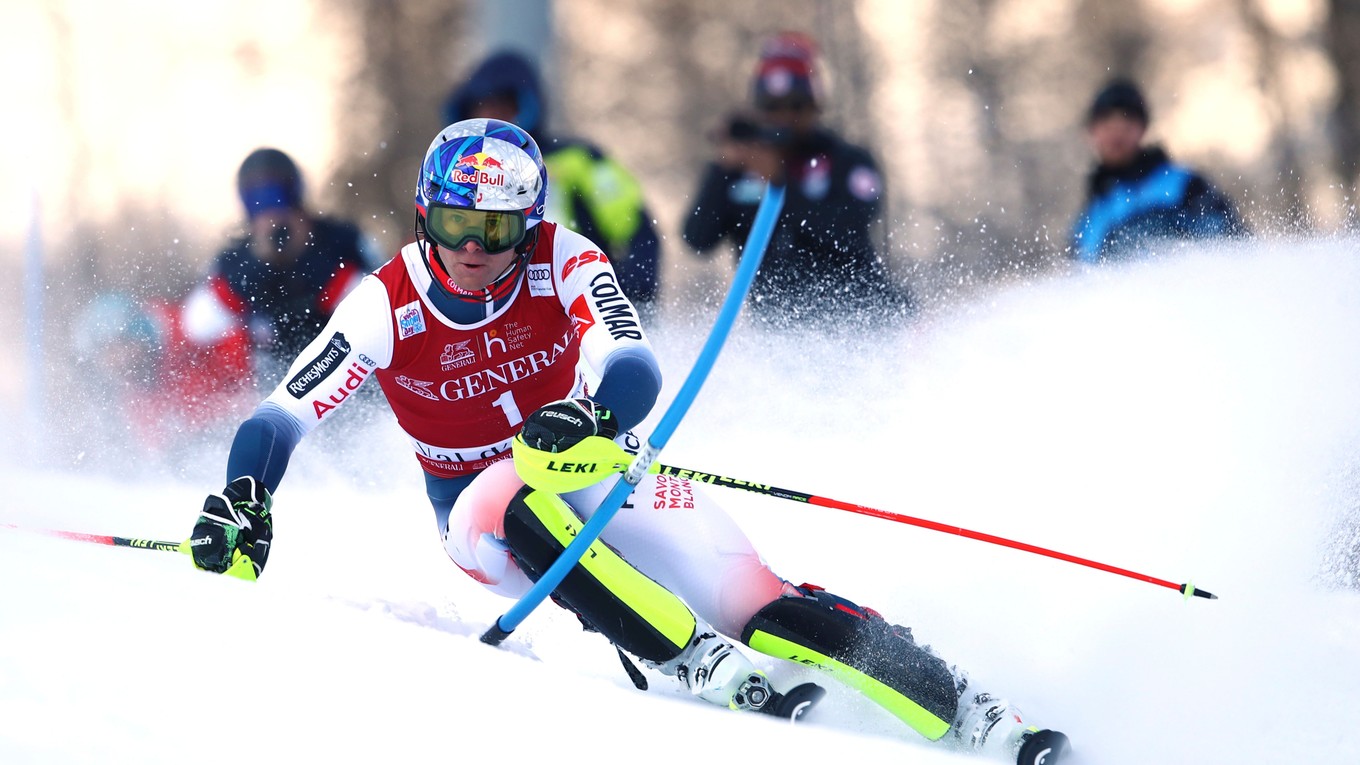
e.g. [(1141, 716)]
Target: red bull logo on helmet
[(478, 168)]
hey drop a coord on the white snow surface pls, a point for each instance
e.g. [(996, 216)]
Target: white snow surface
[(1190, 417)]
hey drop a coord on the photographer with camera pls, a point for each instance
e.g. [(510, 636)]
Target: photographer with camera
[(281, 281), (822, 263)]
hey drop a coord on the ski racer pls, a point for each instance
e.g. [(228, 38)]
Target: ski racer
[(474, 332)]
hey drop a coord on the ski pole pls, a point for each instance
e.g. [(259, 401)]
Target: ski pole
[(761, 229), (102, 539), (1186, 589)]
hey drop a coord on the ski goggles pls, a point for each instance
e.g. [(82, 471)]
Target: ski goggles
[(493, 230)]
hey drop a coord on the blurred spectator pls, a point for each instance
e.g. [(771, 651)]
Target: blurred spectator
[(159, 389), (1136, 193), (590, 192), (283, 279), (821, 260)]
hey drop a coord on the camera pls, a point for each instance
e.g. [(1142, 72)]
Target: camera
[(746, 129)]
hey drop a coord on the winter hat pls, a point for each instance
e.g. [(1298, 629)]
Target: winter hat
[(1119, 96), (503, 72), (269, 180), (786, 70)]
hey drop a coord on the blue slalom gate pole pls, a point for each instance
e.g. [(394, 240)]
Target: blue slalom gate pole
[(756, 242)]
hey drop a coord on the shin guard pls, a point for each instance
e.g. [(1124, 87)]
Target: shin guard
[(635, 613), (856, 646)]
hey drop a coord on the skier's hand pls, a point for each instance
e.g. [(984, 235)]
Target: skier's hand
[(561, 425), (233, 532)]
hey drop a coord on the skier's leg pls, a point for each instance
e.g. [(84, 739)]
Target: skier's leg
[(636, 613), (688, 543), (883, 661), (474, 534), (859, 648), (683, 539)]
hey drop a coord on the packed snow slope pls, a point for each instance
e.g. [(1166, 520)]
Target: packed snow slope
[(1190, 417)]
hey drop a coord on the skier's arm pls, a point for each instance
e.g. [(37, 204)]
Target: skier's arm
[(263, 445), (630, 385), (353, 343), (613, 343), (234, 530)]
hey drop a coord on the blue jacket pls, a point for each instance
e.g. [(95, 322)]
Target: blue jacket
[(1153, 198)]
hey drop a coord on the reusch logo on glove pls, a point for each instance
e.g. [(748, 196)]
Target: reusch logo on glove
[(556, 415)]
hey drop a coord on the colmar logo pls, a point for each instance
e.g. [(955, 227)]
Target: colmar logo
[(614, 309)]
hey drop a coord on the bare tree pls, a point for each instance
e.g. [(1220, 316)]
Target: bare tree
[(1284, 149), (413, 55), (1343, 38)]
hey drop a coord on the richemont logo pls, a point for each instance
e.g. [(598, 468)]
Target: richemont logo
[(319, 368)]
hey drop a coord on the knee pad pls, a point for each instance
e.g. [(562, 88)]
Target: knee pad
[(635, 613), (856, 646)]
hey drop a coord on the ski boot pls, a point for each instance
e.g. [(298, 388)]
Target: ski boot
[(995, 727), (1043, 747), (715, 671)]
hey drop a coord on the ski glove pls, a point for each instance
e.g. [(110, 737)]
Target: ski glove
[(561, 425), (233, 532)]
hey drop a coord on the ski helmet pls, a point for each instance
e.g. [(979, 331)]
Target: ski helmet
[(482, 180)]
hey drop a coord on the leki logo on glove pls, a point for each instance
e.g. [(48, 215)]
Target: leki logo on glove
[(571, 467)]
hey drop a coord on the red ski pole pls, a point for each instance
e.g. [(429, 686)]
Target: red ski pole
[(774, 491), (101, 539)]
